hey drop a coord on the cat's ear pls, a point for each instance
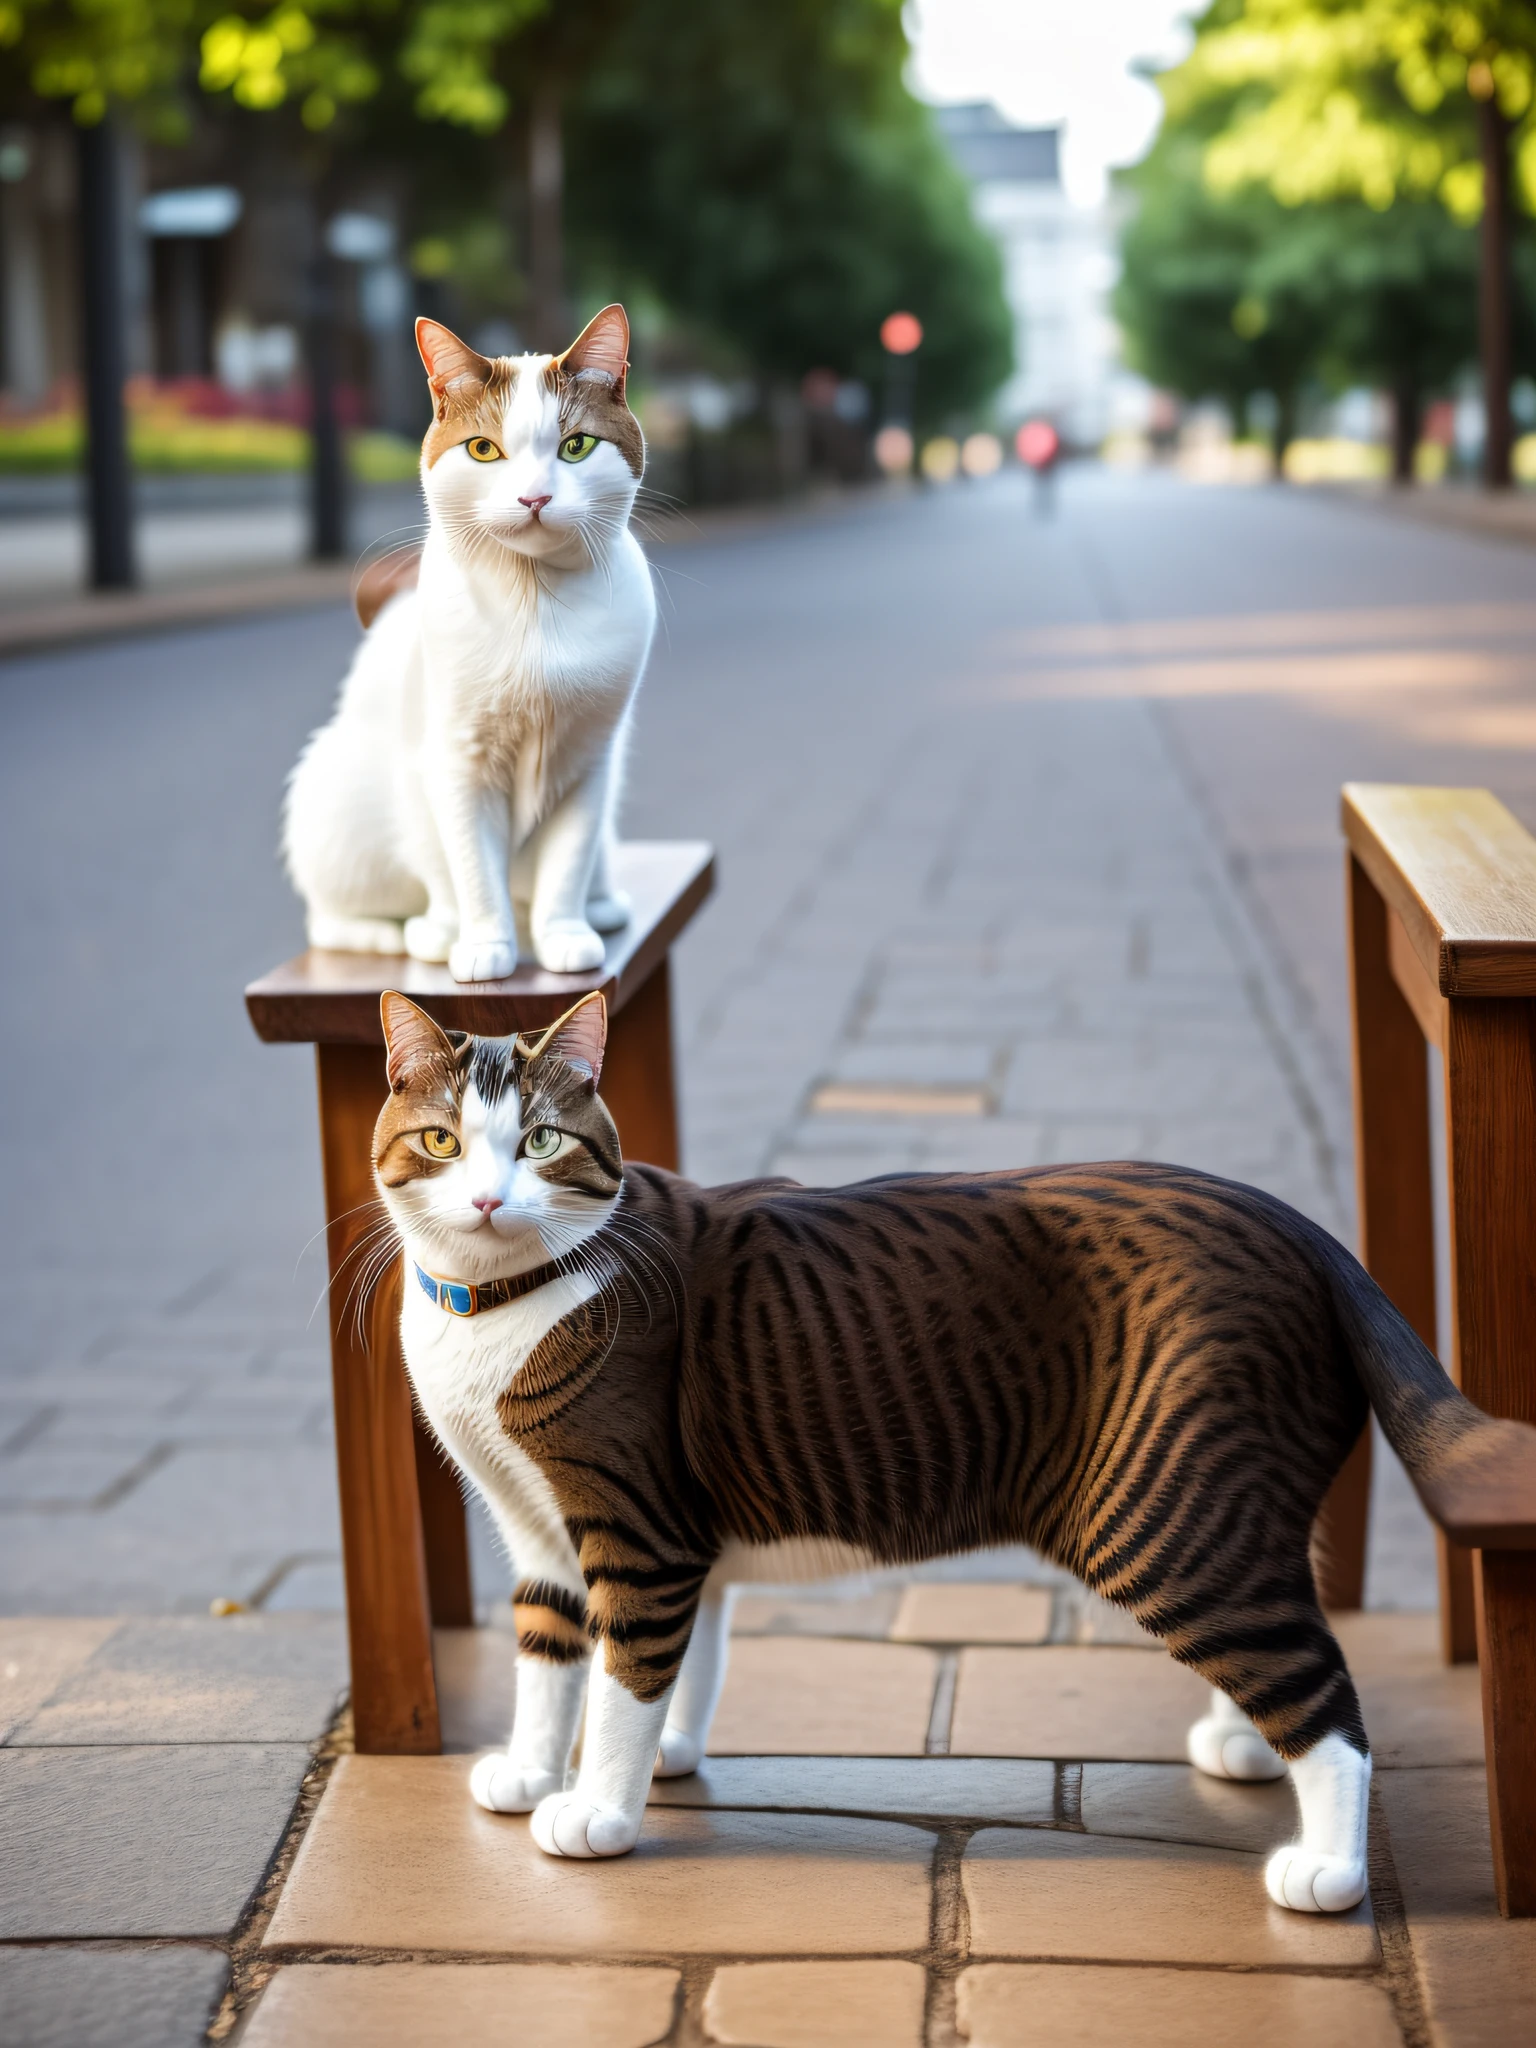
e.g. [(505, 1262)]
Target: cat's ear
[(413, 1041), (579, 1037), (601, 346), (453, 367)]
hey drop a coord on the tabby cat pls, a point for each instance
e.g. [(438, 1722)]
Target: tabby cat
[(1149, 1374)]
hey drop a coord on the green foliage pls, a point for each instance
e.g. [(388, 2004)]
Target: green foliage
[(760, 168), (766, 168), (1301, 215)]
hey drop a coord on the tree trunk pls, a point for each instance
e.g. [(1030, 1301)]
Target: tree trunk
[(1494, 295), (546, 242), (327, 457), (1407, 418), (1285, 427), (109, 489)]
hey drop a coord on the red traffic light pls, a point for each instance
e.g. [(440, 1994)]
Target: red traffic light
[(901, 333)]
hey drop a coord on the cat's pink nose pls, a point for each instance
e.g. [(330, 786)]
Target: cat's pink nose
[(487, 1204), (536, 505)]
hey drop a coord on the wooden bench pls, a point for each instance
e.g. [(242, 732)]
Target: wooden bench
[(404, 1542), (1442, 945)]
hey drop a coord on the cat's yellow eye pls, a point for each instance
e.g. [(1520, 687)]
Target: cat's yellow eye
[(441, 1144), (543, 1142), (577, 447), (483, 449)]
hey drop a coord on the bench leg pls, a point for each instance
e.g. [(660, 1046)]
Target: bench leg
[(1506, 1634), (445, 1533), (639, 1084), (1490, 1087), (394, 1696), (1397, 1226)]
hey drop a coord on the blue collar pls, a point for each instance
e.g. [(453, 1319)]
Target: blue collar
[(469, 1298)]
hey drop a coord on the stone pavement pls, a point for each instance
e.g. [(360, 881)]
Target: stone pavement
[(931, 1814), (1027, 851)]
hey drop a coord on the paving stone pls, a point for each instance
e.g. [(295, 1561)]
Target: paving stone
[(759, 1613), (1478, 1971), (1087, 1618), (1003, 2005), (927, 1788), (1177, 1803), (1417, 1709), (441, 2005), (156, 1841), (314, 1587), (1095, 1899), (108, 1998), (1119, 1704), (79, 1478), (400, 1856), (476, 1672), (242, 1678), (790, 1696), (37, 1655), (816, 2005), (981, 1613)]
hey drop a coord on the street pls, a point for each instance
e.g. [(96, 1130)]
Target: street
[(1038, 811)]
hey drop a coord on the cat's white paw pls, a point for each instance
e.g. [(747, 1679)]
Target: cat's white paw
[(678, 1754), (482, 959), (566, 1824), (568, 945), (1309, 1882), (355, 934), (502, 1786), (1224, 1748), (610, 912), (428, 939)]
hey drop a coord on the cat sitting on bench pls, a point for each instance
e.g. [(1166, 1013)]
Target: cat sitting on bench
[(475, 755), (1149, 1374)]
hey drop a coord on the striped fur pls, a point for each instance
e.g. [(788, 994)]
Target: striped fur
[(550, 1622), (1149, 1374)]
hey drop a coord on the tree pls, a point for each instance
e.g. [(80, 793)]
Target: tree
[(1206, 308), (1380, 100), (767, 170)]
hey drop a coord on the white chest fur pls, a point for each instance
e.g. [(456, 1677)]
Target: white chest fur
[(460, 1367)]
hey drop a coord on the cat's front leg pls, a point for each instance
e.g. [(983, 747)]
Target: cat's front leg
[(601, 1813), (566, 852), (553, 1660), (474, 830)]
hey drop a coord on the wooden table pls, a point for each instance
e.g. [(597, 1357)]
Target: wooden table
[(404, 1543), (1442, 923)]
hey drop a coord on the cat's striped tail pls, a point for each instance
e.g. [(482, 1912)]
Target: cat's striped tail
[(1474, 1473)]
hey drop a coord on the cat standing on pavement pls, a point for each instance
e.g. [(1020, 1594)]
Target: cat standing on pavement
[(475, 754), (1149, 1374)]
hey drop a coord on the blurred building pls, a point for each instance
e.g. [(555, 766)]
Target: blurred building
[(218, 246), (1059, 268)]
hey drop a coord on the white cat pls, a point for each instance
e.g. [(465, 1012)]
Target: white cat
[(476, 751)]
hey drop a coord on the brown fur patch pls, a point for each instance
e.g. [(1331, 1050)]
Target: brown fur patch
[(426, 1082), (384, 579)]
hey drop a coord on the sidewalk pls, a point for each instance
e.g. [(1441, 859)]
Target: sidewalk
[(933, 1812), (972, 911)]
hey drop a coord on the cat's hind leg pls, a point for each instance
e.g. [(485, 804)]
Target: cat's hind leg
[(686, 1734), (334, 933), (1225, 1744), (1325, 1872)]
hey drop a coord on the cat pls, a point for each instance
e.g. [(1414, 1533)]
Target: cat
[(475, 755), (1150, 1374)]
